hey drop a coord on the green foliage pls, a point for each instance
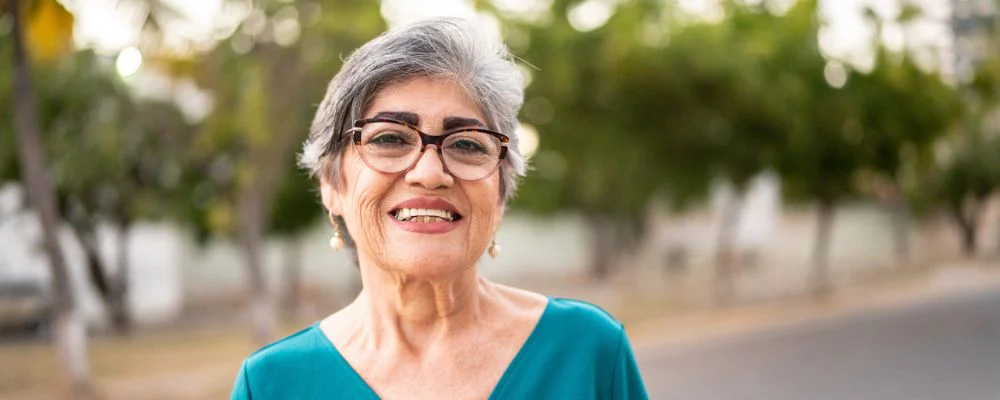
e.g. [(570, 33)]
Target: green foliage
[(110, 154), (972, 173), (649, 105), (115, 157), (627, 119), (972, 170), (602, 142), (265, 97)]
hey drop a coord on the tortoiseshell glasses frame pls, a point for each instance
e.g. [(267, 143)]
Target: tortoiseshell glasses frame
[(467, 153)]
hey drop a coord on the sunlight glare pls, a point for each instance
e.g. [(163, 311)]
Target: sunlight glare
[(528, 140), (835, 74), (893, 37), (129, 61), (590, 15)]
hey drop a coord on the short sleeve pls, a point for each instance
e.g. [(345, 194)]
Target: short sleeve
[(241, 389), (627, 383)]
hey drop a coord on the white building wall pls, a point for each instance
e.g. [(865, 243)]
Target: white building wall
[(171, 275)]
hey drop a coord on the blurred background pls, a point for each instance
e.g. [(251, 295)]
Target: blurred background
[(703, 169)]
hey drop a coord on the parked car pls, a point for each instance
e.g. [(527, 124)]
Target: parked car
[(24, 306)]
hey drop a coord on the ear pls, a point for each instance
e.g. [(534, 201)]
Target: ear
[(330, 196)]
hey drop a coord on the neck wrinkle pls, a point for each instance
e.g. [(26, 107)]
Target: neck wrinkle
[(414, 314)]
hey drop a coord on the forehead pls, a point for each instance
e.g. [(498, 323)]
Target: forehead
[(432, 99)]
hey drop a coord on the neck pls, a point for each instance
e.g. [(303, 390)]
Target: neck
[(418, 312)]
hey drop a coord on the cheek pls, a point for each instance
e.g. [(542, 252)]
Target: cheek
[(365, 207), (369, 214), (486, 212)]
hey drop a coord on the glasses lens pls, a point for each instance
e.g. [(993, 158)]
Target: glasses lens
[(389, 147), (471, 155)]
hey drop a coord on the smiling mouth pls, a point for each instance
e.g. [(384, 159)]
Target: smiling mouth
[(424, 215)]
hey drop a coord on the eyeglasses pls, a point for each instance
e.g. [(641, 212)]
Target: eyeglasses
[(389, 146)]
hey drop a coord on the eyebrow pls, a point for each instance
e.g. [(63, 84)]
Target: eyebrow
[(450, 123), (408, 117), (447, 124)]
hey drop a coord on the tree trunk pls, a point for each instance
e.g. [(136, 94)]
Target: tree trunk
[(110, 287), (602, 246), (969, 242), (252, 237), (96, 270), (265, 159), (967, 219), (821, 258), (117, 301), (900, 213), (725, 252), (293, 278), (69, 331)]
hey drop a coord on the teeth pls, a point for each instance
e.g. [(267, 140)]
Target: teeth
[(424, 215)]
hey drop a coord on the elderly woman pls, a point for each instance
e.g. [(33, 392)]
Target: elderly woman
[(415, 149)]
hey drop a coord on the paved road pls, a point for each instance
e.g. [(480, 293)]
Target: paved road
[(946, 348)]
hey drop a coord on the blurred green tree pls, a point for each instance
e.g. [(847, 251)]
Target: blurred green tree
[(971, 172), (117, 162), (605, 148), (265, 80), (966, 183), (116, 156), (651, 104), (878, 123)]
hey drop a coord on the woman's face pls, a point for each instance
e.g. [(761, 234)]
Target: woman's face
[(370, 201)]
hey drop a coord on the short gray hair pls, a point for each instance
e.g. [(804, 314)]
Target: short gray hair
[(448, 48)]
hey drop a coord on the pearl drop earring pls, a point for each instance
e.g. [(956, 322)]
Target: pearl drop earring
[(336, 242), (494, 249)]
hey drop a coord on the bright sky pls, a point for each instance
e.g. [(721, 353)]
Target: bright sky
[(109, 26), (847, 33)]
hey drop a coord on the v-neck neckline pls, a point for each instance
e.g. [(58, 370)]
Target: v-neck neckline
[(518, 357)]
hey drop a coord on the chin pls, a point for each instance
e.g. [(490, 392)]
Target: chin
[(429, 264)]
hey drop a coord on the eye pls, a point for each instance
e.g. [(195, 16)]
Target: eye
[(468, 145), (389, 139)]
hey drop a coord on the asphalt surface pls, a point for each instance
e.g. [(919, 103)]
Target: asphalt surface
[(946, 348)]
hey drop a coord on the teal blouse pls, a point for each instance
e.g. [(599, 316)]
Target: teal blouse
[(576, 351)]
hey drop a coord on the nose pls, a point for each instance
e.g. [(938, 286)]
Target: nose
[(429, 171)]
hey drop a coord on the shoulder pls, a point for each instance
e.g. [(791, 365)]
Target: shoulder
[(583, 325), (581, 336), (583, 315), (286, 353)]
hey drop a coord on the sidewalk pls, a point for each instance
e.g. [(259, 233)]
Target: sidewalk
[(703, 327)]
